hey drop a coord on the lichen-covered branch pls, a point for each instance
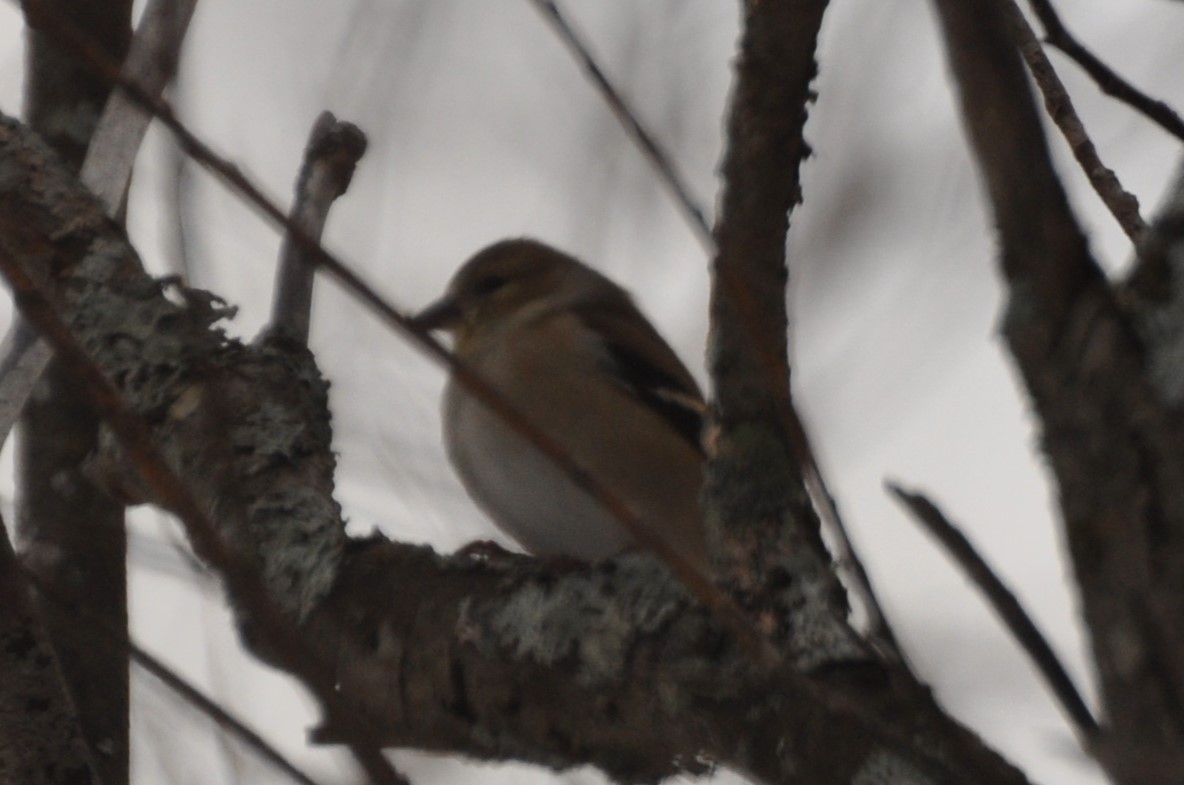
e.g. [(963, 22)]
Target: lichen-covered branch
[(247, 427), (615, 665), (106, 171)]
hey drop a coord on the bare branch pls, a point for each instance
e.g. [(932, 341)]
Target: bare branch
[(1056, 34), (847, 562), (1114, 444), (23, 357), (1122, 204), (151, 63), (334, 149), (757, 504), (1008, 608), (63, 102)]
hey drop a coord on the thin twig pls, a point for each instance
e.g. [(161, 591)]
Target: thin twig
[(1121, 204), (225, 720), (186, 690), (653, 152), (23, 357), (847, 560), (1009, 609), (152, 63), (1107, 80), (332, 152), (700, 585)]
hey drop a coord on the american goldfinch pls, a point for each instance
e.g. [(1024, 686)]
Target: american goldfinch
[(568, 349)]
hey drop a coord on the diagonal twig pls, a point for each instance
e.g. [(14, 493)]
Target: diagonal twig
[(692, 211), (23, 357), (1107, 80), (174, 681), (847, 560), (152, 63), (1121, 203), (224, 719), (1007, 607)]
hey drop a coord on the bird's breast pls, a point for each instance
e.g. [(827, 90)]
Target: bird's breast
[(608, 433)]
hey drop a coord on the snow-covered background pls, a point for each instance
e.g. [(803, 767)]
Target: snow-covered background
[(481, 127)]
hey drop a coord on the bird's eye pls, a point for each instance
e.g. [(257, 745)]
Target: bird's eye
[(489, 284)]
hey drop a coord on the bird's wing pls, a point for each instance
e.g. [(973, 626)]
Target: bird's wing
[(642, 362)]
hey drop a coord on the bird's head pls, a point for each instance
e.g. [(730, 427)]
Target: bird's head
[(508, 283)]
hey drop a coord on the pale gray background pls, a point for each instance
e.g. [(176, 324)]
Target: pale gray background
[(482, 127)]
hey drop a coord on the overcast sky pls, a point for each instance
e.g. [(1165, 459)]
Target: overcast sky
[(482, 127)]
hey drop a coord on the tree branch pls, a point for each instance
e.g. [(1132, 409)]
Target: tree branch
[(757, 504), (1113, 445), (1007, 607), (1121, 203), (1110, 83), (332, 152), (152, 62)]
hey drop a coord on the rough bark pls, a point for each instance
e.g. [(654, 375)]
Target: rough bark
[(1110, 427), (71, 532), (758, 508), (40, 740)]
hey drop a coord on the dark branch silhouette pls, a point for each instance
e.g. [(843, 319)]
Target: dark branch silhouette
[(1008, 608), (1107, 79)]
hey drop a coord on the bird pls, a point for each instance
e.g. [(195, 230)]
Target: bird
[(567, 348)]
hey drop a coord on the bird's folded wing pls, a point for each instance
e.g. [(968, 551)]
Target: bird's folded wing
[(641, 361)]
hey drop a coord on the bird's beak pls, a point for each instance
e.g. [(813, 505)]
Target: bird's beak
[(440, 315)]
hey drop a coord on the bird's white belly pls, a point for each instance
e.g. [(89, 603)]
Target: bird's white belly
[(522, 491)]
